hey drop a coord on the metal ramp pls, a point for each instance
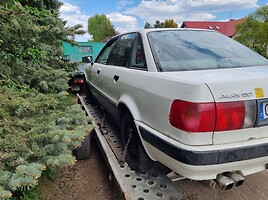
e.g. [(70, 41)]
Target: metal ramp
[(148, 186)]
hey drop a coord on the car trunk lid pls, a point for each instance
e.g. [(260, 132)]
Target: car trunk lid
[(249, 85), (237, 85)]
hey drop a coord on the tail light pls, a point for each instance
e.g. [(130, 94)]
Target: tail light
[(230, 115), (79, 80), (209, 117), (192, 117)]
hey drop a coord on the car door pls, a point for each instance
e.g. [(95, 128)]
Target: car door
[(93, 72), (113, 70)]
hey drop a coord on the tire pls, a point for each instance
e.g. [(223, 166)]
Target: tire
[(83, 152), (89, 96), (136, 156)]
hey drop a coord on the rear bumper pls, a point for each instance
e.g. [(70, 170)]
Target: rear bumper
[(203, 162), (211, 157)]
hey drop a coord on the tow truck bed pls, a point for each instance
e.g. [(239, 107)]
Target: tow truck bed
[(154, 184)]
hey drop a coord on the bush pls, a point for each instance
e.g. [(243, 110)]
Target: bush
[(37, 132), (38, 127)]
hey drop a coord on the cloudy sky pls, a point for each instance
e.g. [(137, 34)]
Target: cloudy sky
[(128, 15)]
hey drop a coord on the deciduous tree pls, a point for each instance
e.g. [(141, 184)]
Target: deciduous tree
[(147, 25), (169, 23), (253, 32), (100, 27), (159, 24)]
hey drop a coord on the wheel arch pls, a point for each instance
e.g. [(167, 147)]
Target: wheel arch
[(127, 104)]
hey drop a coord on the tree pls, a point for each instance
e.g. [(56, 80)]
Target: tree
[(253, 32), (169, 23), (38, 128), (159, 24), (31, 55), (100, 27), (73, 31), (147, 25), (46, 4)]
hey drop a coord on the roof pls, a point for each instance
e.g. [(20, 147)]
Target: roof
[(147, 30), (226, 28)]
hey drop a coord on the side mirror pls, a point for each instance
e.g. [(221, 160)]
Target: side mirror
[(87, 59)]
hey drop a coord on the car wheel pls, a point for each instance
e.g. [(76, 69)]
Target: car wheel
[(136, 156), (89, 96), (83, 152)]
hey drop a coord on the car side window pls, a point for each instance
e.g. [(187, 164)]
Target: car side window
[(103, 57), (138, 57), (120, 55)]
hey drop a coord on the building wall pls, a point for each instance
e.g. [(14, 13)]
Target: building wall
[(75, 53)]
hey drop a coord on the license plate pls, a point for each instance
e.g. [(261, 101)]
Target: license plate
[(264, 110)]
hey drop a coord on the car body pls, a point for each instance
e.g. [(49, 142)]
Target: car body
[(77, 78), (199, 99)]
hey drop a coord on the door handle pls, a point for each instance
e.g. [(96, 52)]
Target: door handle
[(98, 71), (116, 78)]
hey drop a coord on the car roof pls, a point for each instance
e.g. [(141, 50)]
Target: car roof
[(144, 31)]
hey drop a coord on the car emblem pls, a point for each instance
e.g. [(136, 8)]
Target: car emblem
[(246, 94), (228, 96), (235, 95)]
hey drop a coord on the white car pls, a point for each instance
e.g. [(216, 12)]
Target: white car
[(194, 100)]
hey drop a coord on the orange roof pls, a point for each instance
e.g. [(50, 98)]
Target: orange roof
[(226, 28)]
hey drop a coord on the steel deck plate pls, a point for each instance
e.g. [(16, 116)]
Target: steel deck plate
[(151, 185)]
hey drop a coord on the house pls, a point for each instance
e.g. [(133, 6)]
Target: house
[(227, 28), (74, 53)]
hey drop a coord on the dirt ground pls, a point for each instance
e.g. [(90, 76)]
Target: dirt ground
[(91, 180), (254, 188)]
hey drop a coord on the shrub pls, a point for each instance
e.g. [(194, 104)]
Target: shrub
[(39, 127), (37, 132)]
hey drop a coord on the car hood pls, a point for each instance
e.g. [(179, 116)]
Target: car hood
[(233, 84)]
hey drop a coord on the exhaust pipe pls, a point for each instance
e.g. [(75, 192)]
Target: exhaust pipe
[(224, 182), (237, 178)]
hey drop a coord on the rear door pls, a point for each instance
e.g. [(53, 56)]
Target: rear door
[(111, 72)]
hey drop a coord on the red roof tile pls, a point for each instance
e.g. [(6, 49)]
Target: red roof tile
[(226, 28)]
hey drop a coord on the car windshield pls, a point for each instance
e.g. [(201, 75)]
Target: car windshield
[(180, 50)]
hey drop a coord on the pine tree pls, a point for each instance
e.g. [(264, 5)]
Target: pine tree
[(38, 127)]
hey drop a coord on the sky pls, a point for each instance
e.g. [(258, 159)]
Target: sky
[(129, 15)]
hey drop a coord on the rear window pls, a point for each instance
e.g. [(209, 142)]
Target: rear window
[(198, 50)]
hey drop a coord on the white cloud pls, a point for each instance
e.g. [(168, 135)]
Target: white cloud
[(200, 17), (68, 8), (152, 10), (222, 5), (123, 23), (73, 15), (83, 38), (123, 4), (181, 10)]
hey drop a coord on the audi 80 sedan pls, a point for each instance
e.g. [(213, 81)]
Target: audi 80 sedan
[(194, 100)]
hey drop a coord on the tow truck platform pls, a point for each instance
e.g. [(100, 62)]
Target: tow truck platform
[(154, 184)]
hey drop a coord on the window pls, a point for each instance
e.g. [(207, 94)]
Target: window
[(217, 27), (210, 27), (137, 57), (104, 54), (85, 49), (200, 50), (120, 55)]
